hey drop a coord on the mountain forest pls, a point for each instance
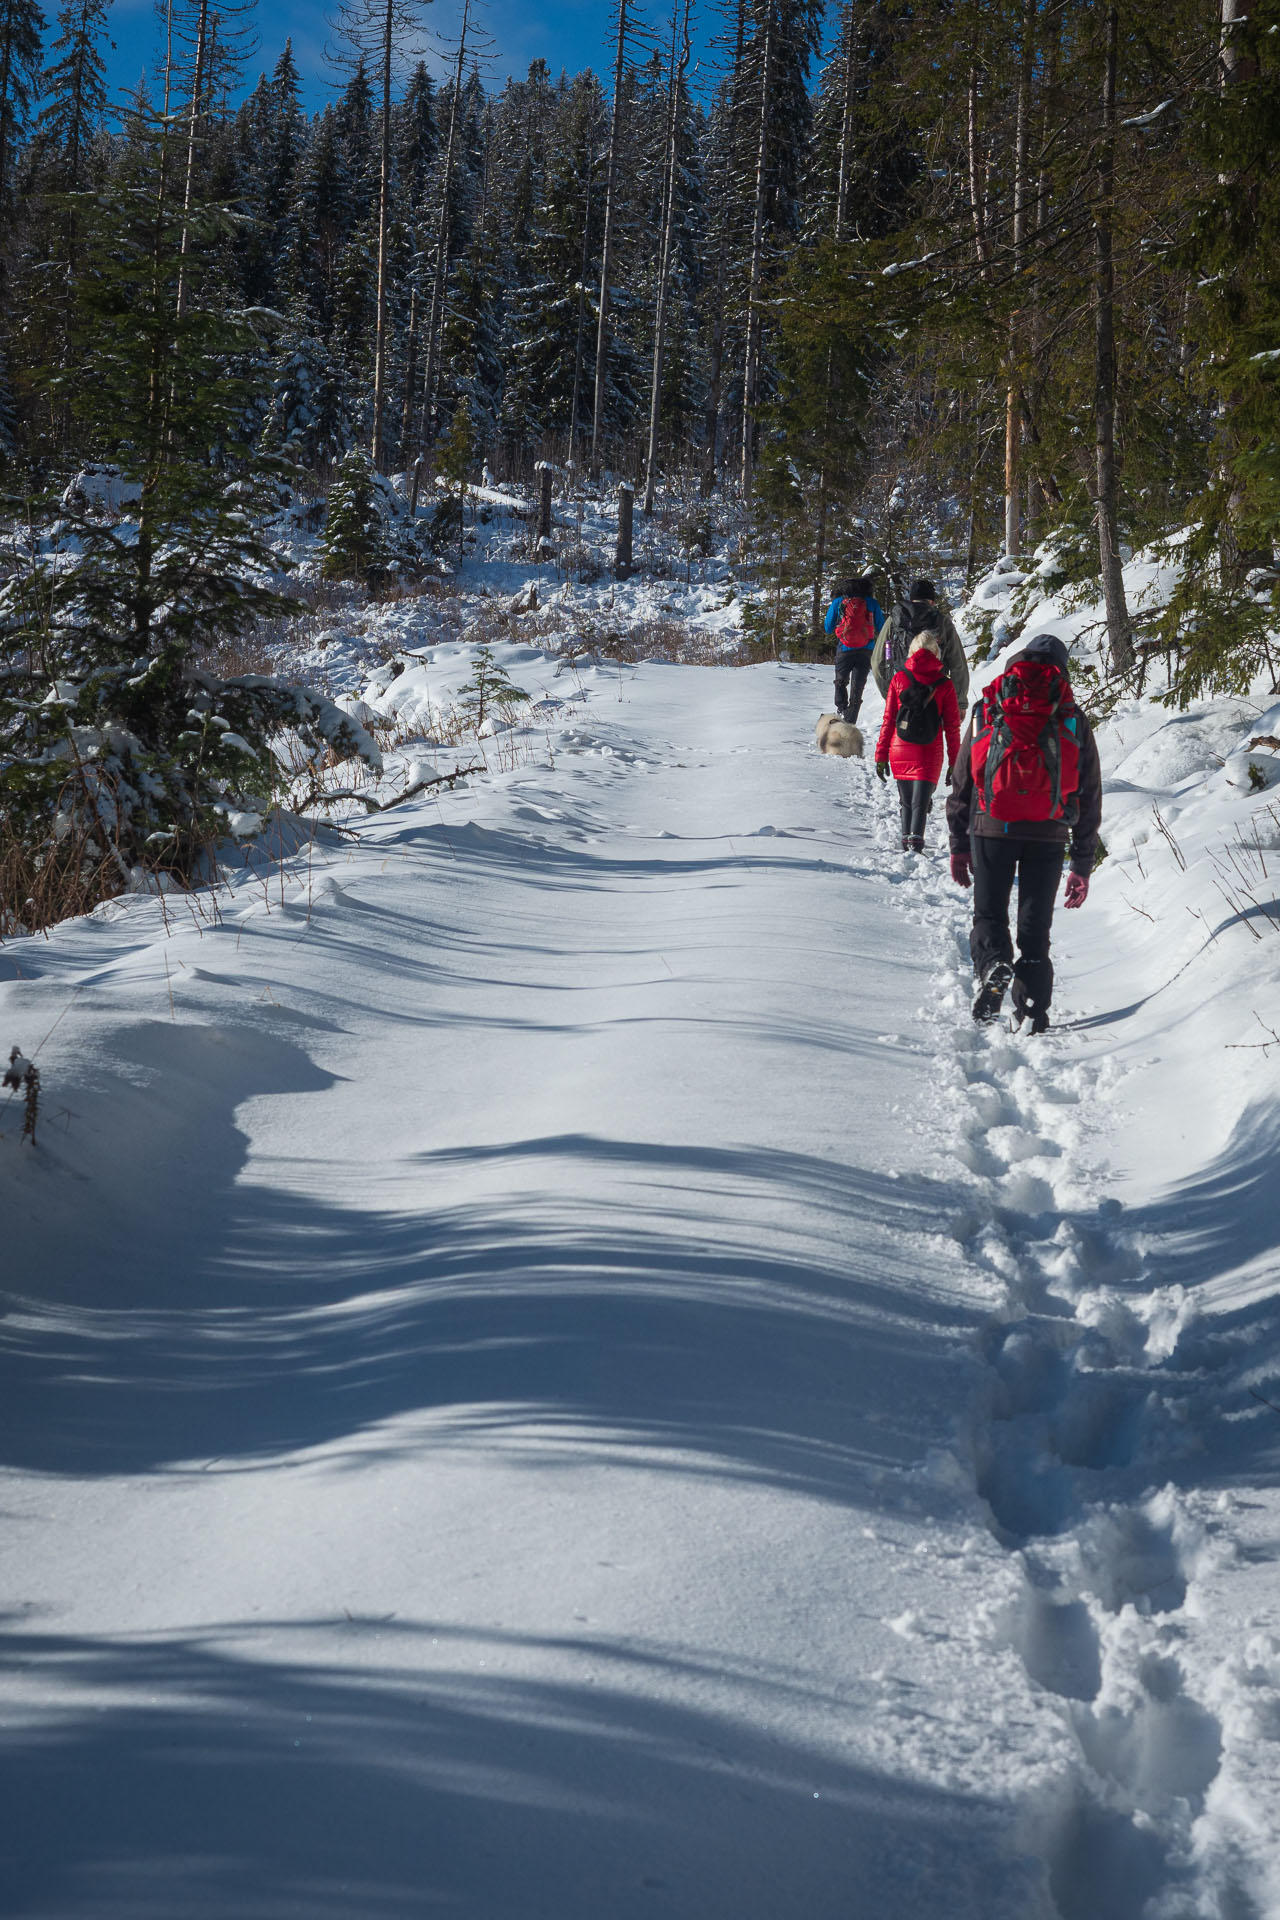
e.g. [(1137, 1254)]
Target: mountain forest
[(911, 283)]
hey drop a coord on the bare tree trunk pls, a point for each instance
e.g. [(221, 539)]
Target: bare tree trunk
[(678, 67), (580, 338), (977, 181), (1119, 629), (606, 246), (435, 323), (1013, 395), (751, 369), (193, 136), (715, 381), (410, 372), (384, 206), (846, 120), (715, 360), (823, 513), (1233, 67), (1045, 482)]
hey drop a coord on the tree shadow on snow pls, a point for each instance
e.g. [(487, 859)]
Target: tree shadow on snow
[(214, 1776), (772, 1316)]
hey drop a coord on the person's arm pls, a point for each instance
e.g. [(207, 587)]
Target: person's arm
[(879, 672), (1084, 834), (833, 615), (960, 798), (876, 611), (951, 723), (887, 724), (957, 664)]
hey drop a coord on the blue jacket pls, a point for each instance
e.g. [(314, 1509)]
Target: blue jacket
[(873, 608)]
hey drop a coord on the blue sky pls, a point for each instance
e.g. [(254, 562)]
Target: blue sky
[(566, 33)]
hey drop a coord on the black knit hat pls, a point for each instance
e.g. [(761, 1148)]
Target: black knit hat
[(1047, 646), (923, 590)]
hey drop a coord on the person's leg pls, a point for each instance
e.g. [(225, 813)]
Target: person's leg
[(1039, 874), (859, 668), (994, 864), (844, 661), (921, 805), (906, 791)]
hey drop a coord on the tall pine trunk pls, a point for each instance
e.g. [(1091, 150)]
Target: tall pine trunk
[(755, 269), (1119, 629), (977, 179), (606, 245), (679, 63), (384, 208), (580, 334), (193, 140), (435, 321), (1233, 68), (1013, 393), (823, 510)]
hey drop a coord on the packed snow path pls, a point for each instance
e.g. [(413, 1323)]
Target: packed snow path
[(532, 1386)]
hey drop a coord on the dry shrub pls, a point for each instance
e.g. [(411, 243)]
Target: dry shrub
[(38, 891), (62, 878)]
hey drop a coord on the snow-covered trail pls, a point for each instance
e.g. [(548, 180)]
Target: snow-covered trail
[(527, 1375)]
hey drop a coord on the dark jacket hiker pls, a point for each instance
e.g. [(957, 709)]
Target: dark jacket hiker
[(920, 613), (1027, 783)]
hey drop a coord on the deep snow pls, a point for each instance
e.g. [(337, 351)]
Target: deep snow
[(549, 1369)]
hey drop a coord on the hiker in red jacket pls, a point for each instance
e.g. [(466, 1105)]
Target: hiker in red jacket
[(920, 712), (1027, 781)]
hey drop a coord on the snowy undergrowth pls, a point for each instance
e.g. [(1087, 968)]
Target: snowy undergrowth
[(500, 589)]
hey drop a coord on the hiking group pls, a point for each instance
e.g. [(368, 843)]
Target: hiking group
[(1025, 783)]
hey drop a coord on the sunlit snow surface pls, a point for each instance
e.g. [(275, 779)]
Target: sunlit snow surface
[(550, 1370)]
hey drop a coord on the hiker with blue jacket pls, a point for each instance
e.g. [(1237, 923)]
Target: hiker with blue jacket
[(854, 617), (921, 612), (1027, 784)]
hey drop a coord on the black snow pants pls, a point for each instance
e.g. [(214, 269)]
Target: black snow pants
[(915, 797), (853, 664), (1038, 866)]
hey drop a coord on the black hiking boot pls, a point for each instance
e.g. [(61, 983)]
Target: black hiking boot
[(1025, 1008), (917, 843), (990, 995)]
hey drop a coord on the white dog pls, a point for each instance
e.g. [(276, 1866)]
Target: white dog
[(835, 735)]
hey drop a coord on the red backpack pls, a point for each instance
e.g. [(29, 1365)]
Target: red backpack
[(1026, 749), (855, 627)]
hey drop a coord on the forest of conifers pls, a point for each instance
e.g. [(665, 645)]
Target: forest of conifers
[(961, 275)]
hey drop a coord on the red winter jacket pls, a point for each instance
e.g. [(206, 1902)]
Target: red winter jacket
[(908, 760)]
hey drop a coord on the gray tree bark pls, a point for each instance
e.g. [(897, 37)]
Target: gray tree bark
[(1119, 626), (678, 67), (606, 248), (755, 270)]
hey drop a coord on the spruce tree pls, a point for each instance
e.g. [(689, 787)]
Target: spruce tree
[(120, 744), (74, 88), (22, 27), (356, 546)]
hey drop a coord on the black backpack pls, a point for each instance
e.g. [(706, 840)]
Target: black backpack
[(918, 716), (913, 617)]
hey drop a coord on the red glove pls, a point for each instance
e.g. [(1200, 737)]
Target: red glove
[(962, 869), (1077, 890)]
